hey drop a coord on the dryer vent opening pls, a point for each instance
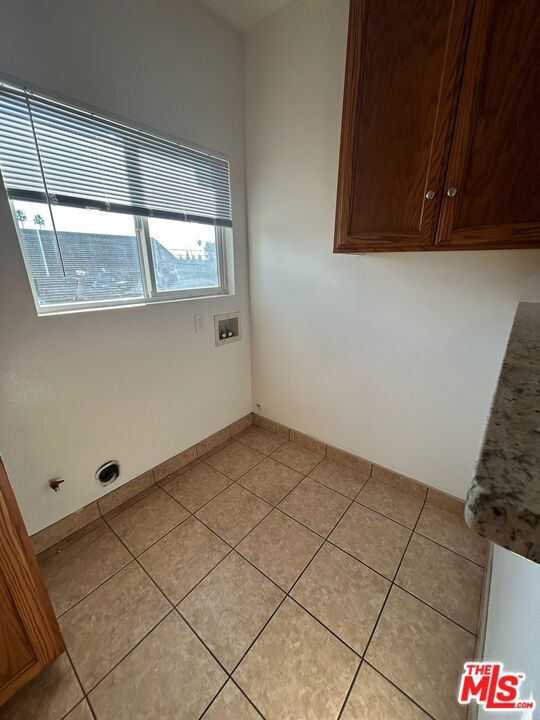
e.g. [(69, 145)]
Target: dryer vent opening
[(108, 472)]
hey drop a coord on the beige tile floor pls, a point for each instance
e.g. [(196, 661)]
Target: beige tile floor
[(265, 581)]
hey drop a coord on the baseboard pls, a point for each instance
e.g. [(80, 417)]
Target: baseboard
[(438, 498), (481, 626), (80, 520), (86, 517)]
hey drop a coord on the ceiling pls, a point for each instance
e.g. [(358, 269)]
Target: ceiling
[(244, 14)]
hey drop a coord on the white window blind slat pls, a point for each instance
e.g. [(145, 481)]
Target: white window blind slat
[(90, 160)]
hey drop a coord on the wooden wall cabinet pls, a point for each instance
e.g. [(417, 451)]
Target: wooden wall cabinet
[(440, 142), (29, 634)]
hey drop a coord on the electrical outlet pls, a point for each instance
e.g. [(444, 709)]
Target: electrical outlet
[(200, 322)]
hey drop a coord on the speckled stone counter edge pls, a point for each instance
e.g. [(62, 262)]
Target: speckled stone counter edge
[(503, 502)]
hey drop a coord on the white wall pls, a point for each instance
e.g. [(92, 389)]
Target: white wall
[(394, 356), (134, 384), (513, 632)]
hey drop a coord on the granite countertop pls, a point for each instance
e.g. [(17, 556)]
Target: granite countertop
[(503, 502)]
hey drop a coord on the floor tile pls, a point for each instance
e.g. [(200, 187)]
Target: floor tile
[(197, 486), (315, 505), (169, 675), (372, 538), (343, 594), (235, 460), (183, 557), (422, 653), (297, 457), (339, 477), (49, 696), (230, 607), (233, 513), (374, 698), (280, 547), (271, 480), (444, 580), (450, 530), (145, 522), (297, 670), (80, 712), (231, 704), (395, 504), (101, 629), (82, 565), (261, 440)]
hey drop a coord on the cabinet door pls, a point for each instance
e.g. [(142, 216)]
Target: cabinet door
[(494, 166), (404, 64), (29, 635)]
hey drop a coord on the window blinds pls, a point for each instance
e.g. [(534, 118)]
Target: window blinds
[(53, 152)]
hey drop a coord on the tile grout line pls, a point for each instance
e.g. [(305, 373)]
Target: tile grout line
[(454, 552), (338, 547), (90, 592), (326, 539), (230, 483), (233, 547), (329, 487), (106, 521), (320, 622), (381, 513), (286, 594), (214, 698), (174, 606), (72, 664), (366, 649), (400, 690), (247, 698), (255, 448), (87, 693), (98, 683), (231, 439), (177, 474), (273, 507)]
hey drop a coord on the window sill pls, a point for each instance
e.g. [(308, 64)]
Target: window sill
[(131, 303)]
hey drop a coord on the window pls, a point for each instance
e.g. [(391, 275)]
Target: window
[(109, 215)]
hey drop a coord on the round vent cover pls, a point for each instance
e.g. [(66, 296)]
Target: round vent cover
[(108, 472)]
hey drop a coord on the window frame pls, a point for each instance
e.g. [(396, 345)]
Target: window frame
[(151, 294)]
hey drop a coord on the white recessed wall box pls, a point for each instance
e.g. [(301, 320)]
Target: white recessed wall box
[(227, 328)]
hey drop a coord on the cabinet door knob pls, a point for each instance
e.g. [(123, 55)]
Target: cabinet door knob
[(430, 194), (452, 191)]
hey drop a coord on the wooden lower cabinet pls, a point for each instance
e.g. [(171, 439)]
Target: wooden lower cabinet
[(30, 638)]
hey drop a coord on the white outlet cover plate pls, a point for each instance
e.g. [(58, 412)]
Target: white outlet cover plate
[(200, 322)]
